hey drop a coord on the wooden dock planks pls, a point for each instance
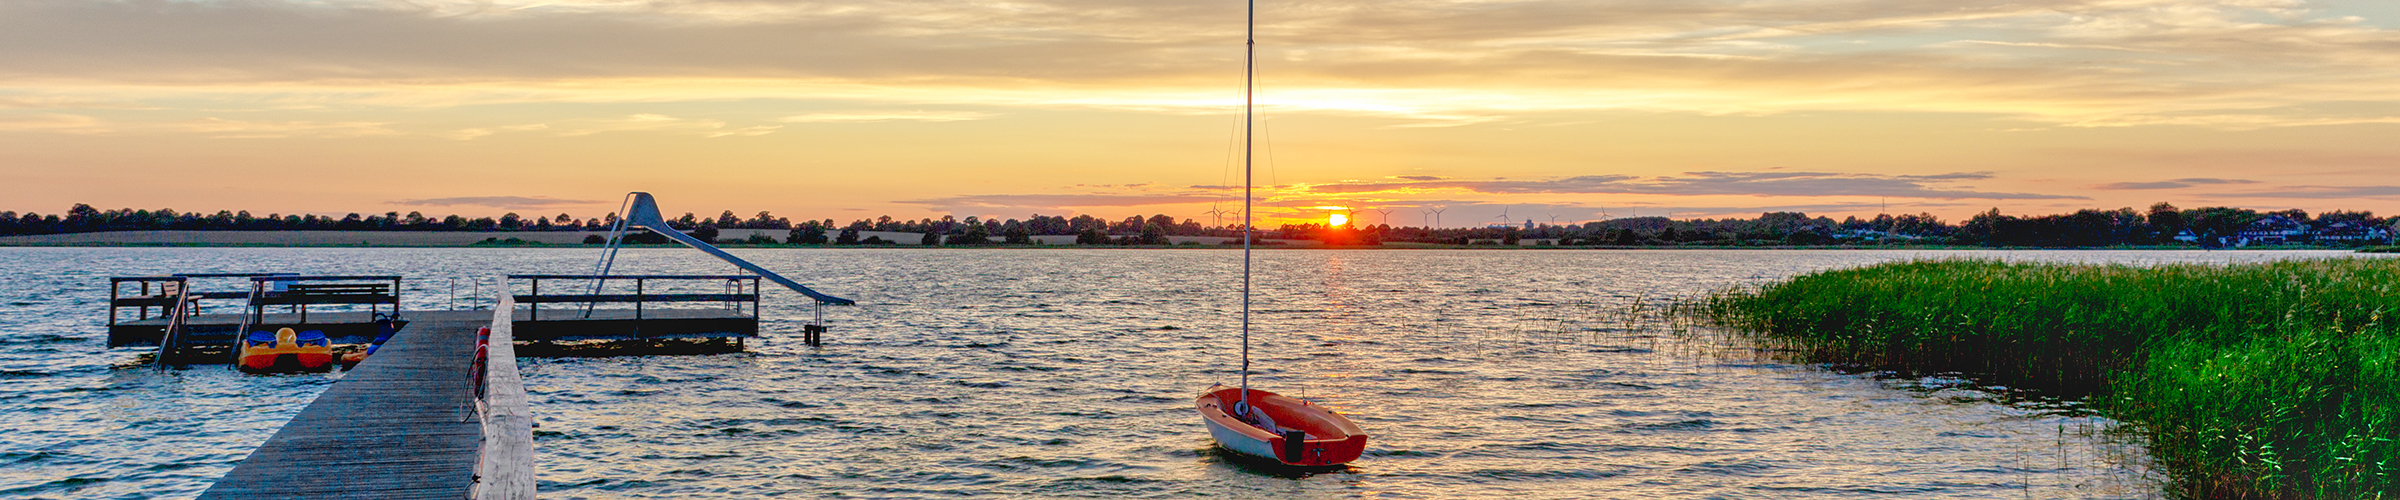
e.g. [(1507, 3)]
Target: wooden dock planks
[(400, 425)]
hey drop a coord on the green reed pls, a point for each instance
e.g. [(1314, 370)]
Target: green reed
[(2270, 380)]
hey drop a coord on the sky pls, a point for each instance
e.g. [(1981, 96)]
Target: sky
[(1487, 110)]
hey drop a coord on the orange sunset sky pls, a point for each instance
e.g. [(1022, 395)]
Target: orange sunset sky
[(1545, 108)]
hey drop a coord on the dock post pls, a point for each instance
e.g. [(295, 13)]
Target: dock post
[(814, 332)]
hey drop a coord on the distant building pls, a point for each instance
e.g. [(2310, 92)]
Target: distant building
[(2352, 232), (2272, 230), (1869, 234)]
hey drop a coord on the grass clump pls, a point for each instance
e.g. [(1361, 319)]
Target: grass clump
[(2269, 380)]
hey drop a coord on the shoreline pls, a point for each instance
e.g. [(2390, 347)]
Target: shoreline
[(2250, 380), (735, 238)]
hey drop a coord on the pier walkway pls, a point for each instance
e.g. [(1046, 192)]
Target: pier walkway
[(402, 424)]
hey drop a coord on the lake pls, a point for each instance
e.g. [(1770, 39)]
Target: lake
[(1063, 373)]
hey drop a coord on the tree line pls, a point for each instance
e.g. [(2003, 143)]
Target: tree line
[(2161, 224), (82, 218)]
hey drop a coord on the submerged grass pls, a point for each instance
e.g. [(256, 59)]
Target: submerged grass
[(2269, 380)]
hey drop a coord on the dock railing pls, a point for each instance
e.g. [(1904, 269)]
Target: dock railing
[(162, 292), (737, 288), (636, 307), (300, 292), (504, 469)]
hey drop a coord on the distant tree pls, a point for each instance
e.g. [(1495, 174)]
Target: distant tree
[(1091, 236), (1015, 233), (706, 233), (594, 239), (972, 234), (2210, 223), (2166, 221), (849, 236), (1154, 233), (809, 233), (931, 239)]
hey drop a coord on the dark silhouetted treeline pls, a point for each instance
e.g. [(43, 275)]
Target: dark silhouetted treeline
[(83, 218), (2161, 224)]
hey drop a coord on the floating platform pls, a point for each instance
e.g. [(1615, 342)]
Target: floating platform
[(215, 332)]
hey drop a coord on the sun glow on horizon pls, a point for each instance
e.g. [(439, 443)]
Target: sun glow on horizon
[(1337, 220)]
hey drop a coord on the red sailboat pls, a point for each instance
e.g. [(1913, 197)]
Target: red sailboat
[(1255, 422)]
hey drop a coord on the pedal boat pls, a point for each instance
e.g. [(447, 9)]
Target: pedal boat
[(1290, 431), (286, 351)]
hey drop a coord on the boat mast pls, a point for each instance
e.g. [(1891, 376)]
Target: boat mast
[(1249, 229)]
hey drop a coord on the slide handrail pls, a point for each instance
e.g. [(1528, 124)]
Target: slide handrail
[(644, 214)]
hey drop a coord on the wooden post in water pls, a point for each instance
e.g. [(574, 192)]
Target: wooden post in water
[(505, 468)]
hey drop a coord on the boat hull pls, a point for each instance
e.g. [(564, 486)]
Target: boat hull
[(286, 351), (1311, 435)]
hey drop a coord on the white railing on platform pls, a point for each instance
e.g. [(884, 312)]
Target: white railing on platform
[(505, 469)]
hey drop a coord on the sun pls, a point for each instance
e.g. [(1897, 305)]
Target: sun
[(1337, 220)]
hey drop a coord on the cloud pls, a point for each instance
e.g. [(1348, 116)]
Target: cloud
[(647, 122), (1023, 204), (240, 129), (2320, 192), (2141, 185), (1419, 177), (917, 116), (2221, 64), (1716, 183), (51, 122), (2173, 184), (497, 201), (53, 102)]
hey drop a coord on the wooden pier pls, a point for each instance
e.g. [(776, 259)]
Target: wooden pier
[(402, 424), (437, 411)]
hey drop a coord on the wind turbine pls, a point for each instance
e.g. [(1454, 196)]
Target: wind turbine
[(1437, 215), (1214, 216), (1387, 215), (1503, 217), (1553, 219)]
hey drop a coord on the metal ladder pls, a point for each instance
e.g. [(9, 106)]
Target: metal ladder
[(171, 341)]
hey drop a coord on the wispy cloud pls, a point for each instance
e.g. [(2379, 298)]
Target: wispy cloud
[(2173, 184), (242, 129), (888, 116), (2319, 193), (1716, 183), (2213, 63), (1018, 205), (51, 122), (497, 201), (655, 123)]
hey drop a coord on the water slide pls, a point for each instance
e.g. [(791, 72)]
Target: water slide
[(643, 212)]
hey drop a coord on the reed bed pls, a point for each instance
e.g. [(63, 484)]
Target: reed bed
[(2269, 380)]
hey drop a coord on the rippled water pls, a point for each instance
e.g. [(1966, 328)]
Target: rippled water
[(1069, 373)]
